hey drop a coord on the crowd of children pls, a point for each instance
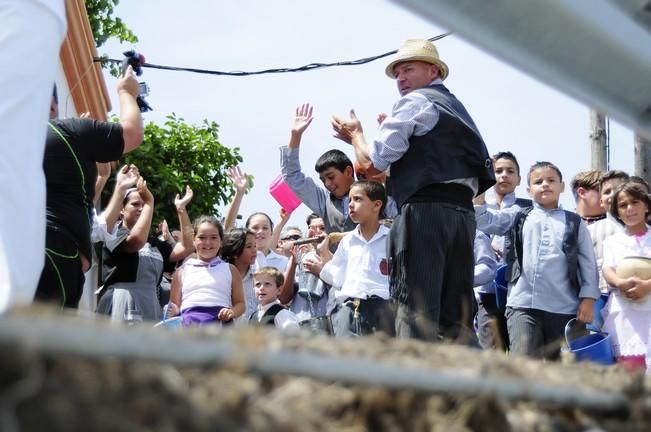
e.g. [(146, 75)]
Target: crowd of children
[(555, 264), (537, 266)]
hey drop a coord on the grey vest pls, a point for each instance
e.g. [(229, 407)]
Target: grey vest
[(334, 218), (452, 149), (513, 247)]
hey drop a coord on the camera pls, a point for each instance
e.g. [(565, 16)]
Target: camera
[(136, 61), (143, 89)]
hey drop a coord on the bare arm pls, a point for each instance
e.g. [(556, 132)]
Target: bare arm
[(237, 292), (103, 174), (139, 233), (185, 247), (278, 229), (613, 280), (240, 182), (126, 178), (287, 290), (351, 132), (130, 118), (176, 292)]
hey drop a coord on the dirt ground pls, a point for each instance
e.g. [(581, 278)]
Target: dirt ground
[(45, 390)]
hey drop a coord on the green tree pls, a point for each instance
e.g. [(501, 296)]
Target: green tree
[(178, 154), (105, 26)]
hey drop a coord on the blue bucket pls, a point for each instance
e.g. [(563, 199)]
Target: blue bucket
[(594, 347), (174, 322)]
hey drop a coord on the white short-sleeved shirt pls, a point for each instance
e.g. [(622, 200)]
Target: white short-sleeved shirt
[(359, 268)]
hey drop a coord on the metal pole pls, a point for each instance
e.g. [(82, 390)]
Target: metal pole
[(598, 140), (642, 157), (92, 338)]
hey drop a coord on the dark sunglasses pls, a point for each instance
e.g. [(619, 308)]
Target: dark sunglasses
[(292, 237)]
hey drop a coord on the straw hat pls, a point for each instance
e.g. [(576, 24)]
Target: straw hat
[(634, 266), (418, 50)]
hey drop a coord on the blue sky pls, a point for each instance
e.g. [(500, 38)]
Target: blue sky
[(513, 112)]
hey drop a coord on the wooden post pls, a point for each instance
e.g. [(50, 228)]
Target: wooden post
[(598, 141), (642, 157)]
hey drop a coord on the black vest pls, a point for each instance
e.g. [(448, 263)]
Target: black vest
[(268, 317), (513, 247), (452, 149)]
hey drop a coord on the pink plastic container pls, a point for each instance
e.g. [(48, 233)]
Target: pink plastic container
[(284, 195)]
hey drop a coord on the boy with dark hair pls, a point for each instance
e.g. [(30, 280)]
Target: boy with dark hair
[(335, 170), (552, 275), (585, 188), (507, 178), (359, 268), (601, 230), (490, 319), (267, 282)]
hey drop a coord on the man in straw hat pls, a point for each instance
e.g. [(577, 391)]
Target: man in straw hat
[(438, 162)]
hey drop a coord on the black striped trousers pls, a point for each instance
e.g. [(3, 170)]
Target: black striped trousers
[(435, 293)]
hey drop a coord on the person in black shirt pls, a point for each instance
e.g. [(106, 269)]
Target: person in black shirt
[(73, 147)]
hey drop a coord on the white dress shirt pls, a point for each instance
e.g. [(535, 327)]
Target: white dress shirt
[(359, 268)]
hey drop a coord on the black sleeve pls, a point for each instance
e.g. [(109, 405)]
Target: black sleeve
[(100, 141)]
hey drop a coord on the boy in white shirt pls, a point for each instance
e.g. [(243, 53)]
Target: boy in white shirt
[(359, 268), (268, 282)]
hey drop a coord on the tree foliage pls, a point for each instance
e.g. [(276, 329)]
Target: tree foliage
[(178, 154), (106, 26)]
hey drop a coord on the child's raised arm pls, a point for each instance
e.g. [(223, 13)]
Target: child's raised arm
[(287, 290), (126, 178), (240, 181), (302, 120), (278, 229), (185, 247), (139, 233), (492, 221)]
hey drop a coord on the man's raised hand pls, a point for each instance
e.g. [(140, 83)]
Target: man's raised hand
[(345, 129)]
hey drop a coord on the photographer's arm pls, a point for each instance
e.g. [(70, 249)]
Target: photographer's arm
[(130, 119)]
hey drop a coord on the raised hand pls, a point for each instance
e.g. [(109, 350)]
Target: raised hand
[(345, 129), (284, 215), (164, 230), (127, 177), (303, 118), (381, 117), (179, 202), (128, 83), (145, 193), (239, 179)]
